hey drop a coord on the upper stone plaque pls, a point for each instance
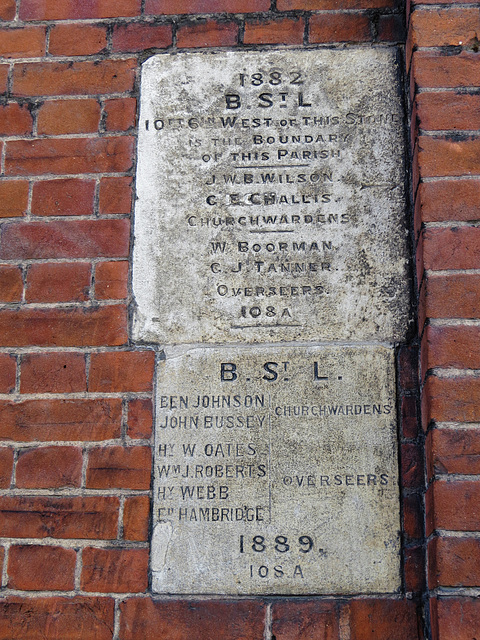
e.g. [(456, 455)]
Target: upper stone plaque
[(270, 198)]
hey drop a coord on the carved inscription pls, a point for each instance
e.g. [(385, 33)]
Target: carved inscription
[(276, 472), (270, 198)]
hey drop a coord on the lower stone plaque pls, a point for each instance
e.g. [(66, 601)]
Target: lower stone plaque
[(276, 472)]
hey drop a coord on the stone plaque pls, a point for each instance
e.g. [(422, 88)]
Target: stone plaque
[(276, 472), (270, 198)]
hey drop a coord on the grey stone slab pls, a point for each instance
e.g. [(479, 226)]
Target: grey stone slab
[(276, 472), (270, 202)]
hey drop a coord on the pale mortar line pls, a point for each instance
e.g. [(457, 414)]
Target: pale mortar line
[(432, 133), (444, 533), (71, 492), (92, 444), (452, 178), (81, 395), (267, 630), (116, 618), (64, 176), (72, 543), (95, 135), (453, 224), (87, 304), (79, 349), (451, 477), (4, 580), (83, 475), (78, 570), (454, 322), (69, 594), (84, 58), (452, 272), (455, 373), (13, 477), (120, 518), (344, 624), (470, 592), (460, 90), (47, 219), (457, 425), (2, 159)]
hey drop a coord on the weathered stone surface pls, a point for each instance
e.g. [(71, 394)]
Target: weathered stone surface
[(276, 471), (270, 198)]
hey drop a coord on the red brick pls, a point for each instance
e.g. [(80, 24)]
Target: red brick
[(454, 248), (15, 120), (58, 282), (8, 367), (336, 27), (120, 114), (77, 39), (448, 157), (412, 466), (13, 198), (454, 451), (444, 27), (140, 418), (457, 618), (172, 7), (456, 506), (6, 466), (11, 283), (65, 239), (444, 70), (305, 621), (415, 579), (449, 200), (454, 562), (139, 36), (111, 280), (453, 296), (44, 420), (136, 513), (69, 197), (57, 618), (391, 28), (94, 518), (115, 570), (56, 117), (208, 33), (68, 155), (119, 468), (27, 42), (115, 195), (336, 5), (283, 31), (37, 568), (381, 619), (72, 10), (7, 9), (119, 371), (451, 400), (73, 78), (409, 417), (53, 373), (49, 468), (147, 618), (4, 69), (95, 326), (413, 516), (448, 110), (408, 365), (457, 347)]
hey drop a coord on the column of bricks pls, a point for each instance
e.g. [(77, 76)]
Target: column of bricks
[(444, 68), (75, 393)]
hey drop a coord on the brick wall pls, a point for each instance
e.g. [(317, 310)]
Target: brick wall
[(444, 73), (76, 394)]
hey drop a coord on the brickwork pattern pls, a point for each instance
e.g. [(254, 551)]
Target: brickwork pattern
[(76, 395)]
